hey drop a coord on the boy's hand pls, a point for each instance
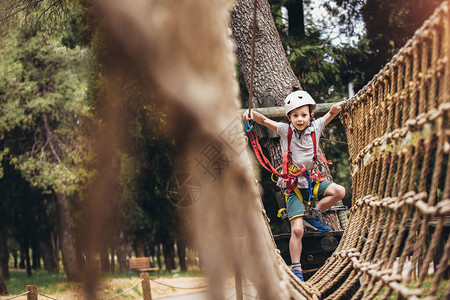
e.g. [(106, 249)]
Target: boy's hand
[(246, 117), (336, 108)]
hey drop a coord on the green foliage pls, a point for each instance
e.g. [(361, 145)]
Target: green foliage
[(389, 24), (333, 142), (48, 283), (43, 112), (79, 25), (144, 152), (321, 67), (23, 206)]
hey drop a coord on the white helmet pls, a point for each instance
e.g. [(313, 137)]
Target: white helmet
[(297, 99)]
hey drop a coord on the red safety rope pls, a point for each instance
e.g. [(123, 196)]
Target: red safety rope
[(329, 162)]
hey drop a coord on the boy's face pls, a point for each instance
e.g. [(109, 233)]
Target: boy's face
[(300, 117)]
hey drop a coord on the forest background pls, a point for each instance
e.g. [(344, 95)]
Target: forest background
[(54, 68)]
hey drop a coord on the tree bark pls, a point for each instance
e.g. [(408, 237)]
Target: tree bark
[(169, 255), (273, 76), (50, 262), (55, 249), (140, 252), (4, 254), (122, 251), (36, 257), (25, 262), (66, 238), (112, 266), (28, 263), (3, 288), (181, 251), (14, 254), (22, 259), (158, 256), (81, 255), (104, 259), (25, 257)]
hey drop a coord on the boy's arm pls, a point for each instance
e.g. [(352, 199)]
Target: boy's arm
[(260, 119), (334, 110)]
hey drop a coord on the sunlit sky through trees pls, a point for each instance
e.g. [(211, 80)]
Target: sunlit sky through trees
[(318, 16)]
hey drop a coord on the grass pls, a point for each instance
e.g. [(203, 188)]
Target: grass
[(55, 284), (426, 286), (47, 282)]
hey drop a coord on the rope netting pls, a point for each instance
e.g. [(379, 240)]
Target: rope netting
[(398, 136)]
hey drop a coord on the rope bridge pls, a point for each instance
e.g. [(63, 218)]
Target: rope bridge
[(398, 135)]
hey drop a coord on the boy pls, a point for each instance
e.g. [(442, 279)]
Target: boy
[(299, 107)]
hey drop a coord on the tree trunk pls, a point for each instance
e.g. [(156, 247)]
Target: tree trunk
[(56, 250), (14, 254), (158, 256), (104, 259), (296, 18), (3, 288), (36, 256), (66, 239), (81, 255), (112, 266), (4, 254), (25, 262), (48, 257), (181, 251), (169, 255), (28, 262), (274, 78), (122, 252), (140, 252), (22, 259)]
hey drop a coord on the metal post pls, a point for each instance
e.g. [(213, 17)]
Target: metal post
[(32, 292), (146, 289)]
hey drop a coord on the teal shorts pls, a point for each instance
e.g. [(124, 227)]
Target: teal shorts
[(294, 205)]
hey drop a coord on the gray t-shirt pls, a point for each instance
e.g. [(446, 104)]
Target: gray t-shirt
[(301, 146)]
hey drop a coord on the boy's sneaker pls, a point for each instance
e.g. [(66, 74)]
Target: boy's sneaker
[(318, 224), (299, 274)]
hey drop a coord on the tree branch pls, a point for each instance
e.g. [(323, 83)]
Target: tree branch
[(49, 139), (24, 5)]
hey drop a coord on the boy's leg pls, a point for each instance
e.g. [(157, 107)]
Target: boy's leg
[(296, 211), (295, 243), (328, 194), (332, 195), (295, 246)]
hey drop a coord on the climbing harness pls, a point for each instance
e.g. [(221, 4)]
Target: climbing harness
[(290, 173)]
